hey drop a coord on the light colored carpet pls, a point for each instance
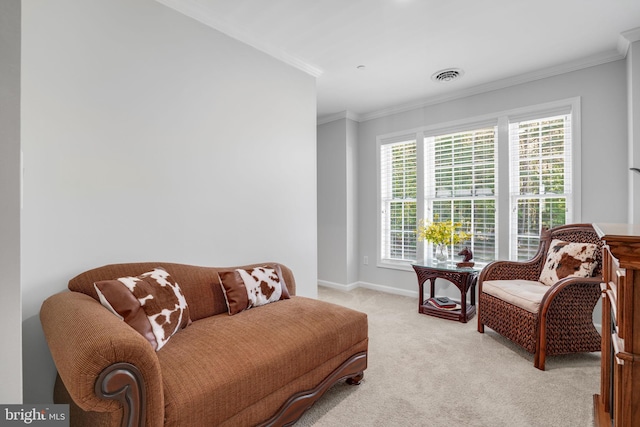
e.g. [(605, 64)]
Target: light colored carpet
[(426, 371)]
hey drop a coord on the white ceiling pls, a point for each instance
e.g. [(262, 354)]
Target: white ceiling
[(403, 42)]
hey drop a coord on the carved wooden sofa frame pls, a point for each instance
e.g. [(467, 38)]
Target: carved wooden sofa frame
[(123, 383)]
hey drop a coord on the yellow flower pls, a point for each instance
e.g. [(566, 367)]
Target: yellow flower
[(441, 233)]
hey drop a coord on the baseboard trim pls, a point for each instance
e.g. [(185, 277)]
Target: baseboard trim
[(366, 285), (338, 286), (388, 289)]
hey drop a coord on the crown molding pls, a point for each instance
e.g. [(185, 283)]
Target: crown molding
[(568, 67), (626, 38), (193, 10), (339, 116)]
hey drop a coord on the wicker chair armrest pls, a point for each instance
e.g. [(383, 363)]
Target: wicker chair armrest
[(507, 270), (564, 286)]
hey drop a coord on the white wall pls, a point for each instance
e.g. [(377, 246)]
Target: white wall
[(337, 214), (352, 200), (10, 306), (633, 100), (332, 208), (149, 136), (604, 150)]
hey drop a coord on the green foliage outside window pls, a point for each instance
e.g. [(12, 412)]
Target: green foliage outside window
[(542, 202)]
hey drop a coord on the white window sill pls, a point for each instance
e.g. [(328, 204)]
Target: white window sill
[(395, 265)]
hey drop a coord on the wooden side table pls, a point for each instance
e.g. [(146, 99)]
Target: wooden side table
[(465, 279)]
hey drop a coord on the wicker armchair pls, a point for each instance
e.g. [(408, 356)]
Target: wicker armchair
[(563, 322)]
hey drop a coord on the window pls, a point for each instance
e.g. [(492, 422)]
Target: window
[(540, 179), (461, 185), (505, 177), (398, 191)]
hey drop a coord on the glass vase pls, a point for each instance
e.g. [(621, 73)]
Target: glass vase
[(442, 253)]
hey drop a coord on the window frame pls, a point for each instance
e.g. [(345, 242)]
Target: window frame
[(501, 119), (389, 140), (429, 177), (569, 192)]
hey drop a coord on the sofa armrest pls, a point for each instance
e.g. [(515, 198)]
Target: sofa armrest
[(96, 354)]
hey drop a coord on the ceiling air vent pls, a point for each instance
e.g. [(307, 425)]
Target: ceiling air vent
[(447, 75)]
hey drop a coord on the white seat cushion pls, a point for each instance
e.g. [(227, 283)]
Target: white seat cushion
[(526, 294)]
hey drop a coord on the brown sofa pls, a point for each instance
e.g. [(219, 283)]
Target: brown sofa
[(263, 366)]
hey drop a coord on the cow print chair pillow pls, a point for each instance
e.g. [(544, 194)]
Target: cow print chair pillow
[(568, 259), (252, 287), (152, 303)]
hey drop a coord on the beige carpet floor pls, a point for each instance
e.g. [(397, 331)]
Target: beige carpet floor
[(426, 371)]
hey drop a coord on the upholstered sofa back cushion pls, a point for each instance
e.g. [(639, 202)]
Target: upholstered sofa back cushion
[(200, 285)]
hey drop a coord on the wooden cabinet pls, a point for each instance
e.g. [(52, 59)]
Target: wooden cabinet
[(618, 403)]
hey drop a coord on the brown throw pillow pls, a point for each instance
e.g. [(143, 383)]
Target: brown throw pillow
[(567, 259), (152, 304), (252, 287)]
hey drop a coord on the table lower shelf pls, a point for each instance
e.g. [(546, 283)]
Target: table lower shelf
[(426, 308)]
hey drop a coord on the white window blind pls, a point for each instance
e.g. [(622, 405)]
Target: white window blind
[(461, 185), (505, 176), (540, 184), (398, 186)]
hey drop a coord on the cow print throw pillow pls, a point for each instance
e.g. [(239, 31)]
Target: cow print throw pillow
[(151, 303), (566, 259), (252, 287)]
